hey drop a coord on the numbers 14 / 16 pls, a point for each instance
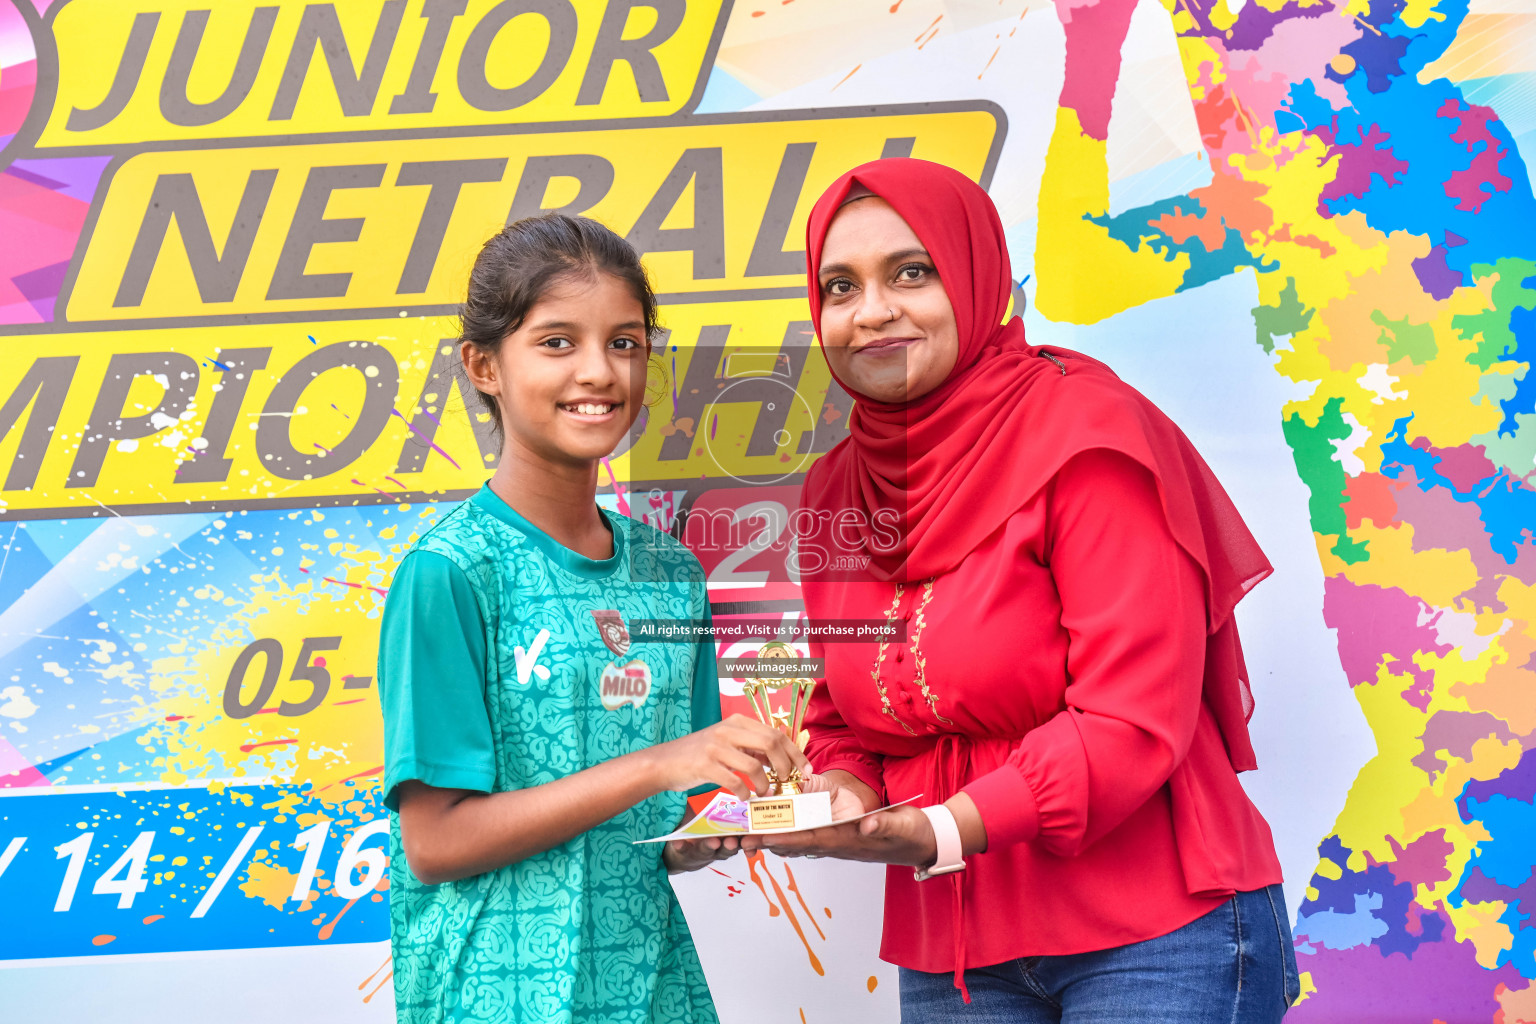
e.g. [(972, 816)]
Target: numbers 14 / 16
[(125, 878)]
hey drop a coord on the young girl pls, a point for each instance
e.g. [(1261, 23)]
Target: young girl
[(528, 739)]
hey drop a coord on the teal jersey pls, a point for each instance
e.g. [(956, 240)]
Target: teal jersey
[(495, 675)]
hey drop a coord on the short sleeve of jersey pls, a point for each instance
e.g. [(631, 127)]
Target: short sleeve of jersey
[(432, 670)]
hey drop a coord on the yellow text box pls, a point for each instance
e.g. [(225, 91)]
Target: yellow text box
[(366, 412), (718, 205), (174, 70)]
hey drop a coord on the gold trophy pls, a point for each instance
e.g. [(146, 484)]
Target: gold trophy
[(786, 806)]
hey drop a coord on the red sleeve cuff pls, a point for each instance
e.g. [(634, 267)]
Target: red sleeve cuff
[(866, 770), (1007, 807)]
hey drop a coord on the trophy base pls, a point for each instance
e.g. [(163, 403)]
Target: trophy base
[(789, 811)]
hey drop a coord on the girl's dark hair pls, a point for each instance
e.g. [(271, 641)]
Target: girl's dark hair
[(521, 260)]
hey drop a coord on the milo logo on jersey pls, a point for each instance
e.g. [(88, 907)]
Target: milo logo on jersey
[(625, 684)]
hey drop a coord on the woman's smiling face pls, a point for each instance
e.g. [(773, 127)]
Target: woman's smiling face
[(887, 326)]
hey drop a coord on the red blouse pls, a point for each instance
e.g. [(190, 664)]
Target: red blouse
[(1033, 679)]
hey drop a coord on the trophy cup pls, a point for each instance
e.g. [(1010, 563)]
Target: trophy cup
[(786, 806)]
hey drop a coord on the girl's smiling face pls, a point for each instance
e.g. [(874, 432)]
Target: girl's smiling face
[(887, 326), (570, 380)]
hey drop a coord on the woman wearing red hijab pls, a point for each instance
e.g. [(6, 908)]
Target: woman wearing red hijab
[(1070, 705)]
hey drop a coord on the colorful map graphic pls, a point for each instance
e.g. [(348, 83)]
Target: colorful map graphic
[(1389, 221)]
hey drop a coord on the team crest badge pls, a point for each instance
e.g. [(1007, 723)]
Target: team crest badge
[(625, 684), (610, 626)]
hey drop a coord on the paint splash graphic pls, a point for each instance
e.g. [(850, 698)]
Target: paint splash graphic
[(221, 668), (386, 969), (780, 905)]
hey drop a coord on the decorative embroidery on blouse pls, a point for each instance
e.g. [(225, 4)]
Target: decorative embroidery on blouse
[(919, 662), (885, 698)]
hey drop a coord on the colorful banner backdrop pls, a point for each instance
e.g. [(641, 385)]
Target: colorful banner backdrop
[(232, 238)]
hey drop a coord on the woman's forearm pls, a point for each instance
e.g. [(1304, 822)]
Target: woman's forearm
[(973, 831), (450, 834)]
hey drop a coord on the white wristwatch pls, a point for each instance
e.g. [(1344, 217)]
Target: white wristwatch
[(946, 834)]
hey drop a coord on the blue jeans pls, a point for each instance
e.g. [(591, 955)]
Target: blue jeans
[(1235, 965)]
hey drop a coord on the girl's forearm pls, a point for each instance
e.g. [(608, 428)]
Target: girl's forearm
[(450, 834)]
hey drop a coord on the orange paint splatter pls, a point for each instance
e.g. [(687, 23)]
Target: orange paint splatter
[(795, 888), (753, 860), (102, 940), (758, 14), (989, 62), (387, 961), (364, 984), (932, 26), (846, 77), (330, 926), (894, 8), (794, 922), (152, 918), (827, 911), (382, 983), (873, 981)]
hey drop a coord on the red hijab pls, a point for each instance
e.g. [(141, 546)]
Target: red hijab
[(957, 463)]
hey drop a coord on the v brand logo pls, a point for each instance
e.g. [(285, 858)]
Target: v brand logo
[(528, 661)]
